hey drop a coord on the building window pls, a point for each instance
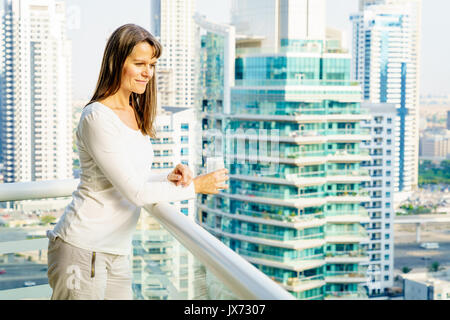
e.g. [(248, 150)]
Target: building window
[(386, 278), (386, 257), (386, 267), (184, 151), (386, 236), (184, 139), (185, 127), (389, 120)]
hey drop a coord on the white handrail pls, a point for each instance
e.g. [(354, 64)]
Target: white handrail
[(241, 277), (37, 189)]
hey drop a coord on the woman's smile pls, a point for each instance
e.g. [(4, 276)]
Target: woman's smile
[(142, 81)]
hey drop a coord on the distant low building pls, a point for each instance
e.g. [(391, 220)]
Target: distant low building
[(427, 286), (435, 145), (448, 120)]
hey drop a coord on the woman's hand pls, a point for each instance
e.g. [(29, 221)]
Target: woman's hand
[(211, 183), (181, 175)]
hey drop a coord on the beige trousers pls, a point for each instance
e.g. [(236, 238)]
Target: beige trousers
[(78, 274)]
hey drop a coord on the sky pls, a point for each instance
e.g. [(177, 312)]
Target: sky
[(91, 22)]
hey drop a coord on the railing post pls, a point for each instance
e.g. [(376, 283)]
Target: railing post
[(418, 232)]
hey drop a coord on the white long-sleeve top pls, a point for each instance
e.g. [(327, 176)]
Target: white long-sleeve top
[(115, 182)]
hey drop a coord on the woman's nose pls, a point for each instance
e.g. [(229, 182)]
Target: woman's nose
[(148, 72)]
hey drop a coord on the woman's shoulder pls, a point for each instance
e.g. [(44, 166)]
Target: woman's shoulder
[(94, 107), (98, 115), (96, 110)]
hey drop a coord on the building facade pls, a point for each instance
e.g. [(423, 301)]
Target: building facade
[(175, 143), (385, 60), (435, 144), (35, 89), (380, 228), (427, 285), (171, 21), (448, 120), (290, 136)]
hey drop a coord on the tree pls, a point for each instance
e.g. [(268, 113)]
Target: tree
[(445, 165), (406, 269), (47, 219), (434, 267), (435, 208)]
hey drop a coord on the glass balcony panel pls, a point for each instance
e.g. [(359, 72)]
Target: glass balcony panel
[(162, 268), (280, 216), (272, 236), (277, 257), (23, 272)]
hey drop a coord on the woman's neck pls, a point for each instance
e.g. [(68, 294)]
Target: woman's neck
[(119, 101)]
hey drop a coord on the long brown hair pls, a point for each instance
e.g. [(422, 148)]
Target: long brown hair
[(119, 47)]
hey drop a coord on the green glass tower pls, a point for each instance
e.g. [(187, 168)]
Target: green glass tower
[(288, 127)]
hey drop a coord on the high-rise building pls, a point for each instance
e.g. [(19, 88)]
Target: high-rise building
[(171, 21), (386, 55), (290, 135), (35, 89), (380, 228), (282, 21)]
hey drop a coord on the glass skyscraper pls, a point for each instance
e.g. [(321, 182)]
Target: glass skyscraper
[(386, 51), (288, 126)]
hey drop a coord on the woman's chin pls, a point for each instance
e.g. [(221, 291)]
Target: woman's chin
[(139, 91)]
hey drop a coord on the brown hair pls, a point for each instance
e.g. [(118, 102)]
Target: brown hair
[(119, 47)]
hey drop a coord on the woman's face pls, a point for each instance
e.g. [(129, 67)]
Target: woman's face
[(139, 68)]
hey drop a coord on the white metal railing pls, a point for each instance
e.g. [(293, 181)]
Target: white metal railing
[(236, 273)]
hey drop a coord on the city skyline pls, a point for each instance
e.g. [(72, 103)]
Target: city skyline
[(85, 32), (35, 111)]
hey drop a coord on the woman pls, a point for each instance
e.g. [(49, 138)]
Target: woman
[(88, 254)]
